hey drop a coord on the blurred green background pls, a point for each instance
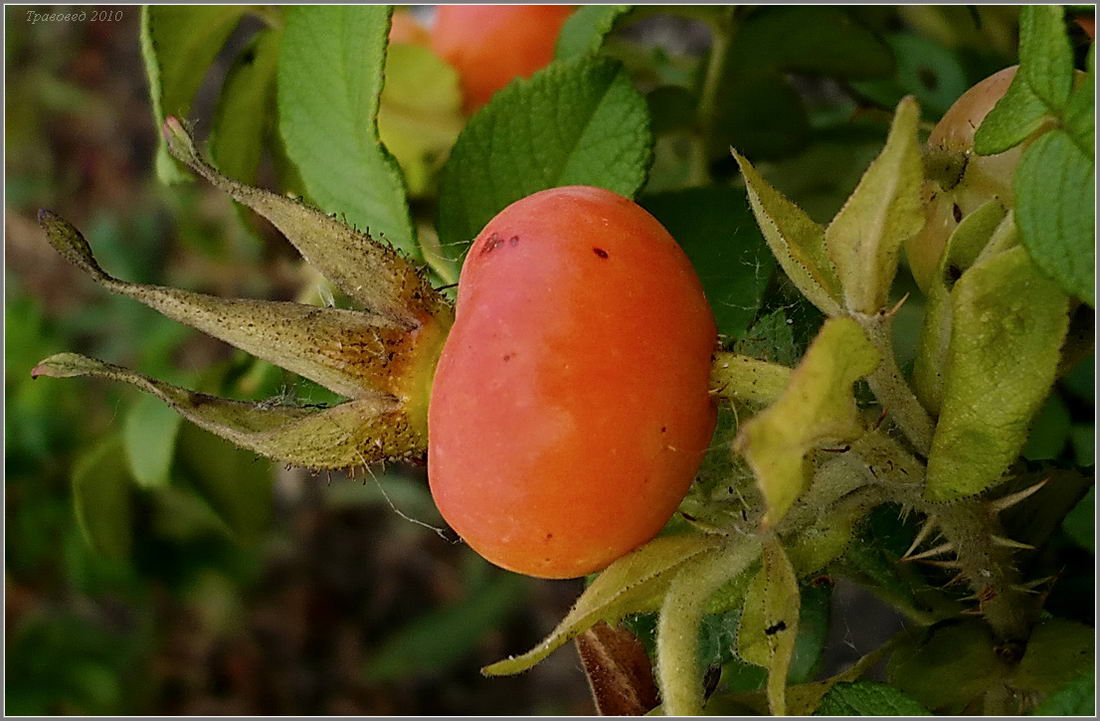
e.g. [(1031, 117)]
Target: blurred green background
[(192, 578)]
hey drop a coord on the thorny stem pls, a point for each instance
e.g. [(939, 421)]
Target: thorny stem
[(968, 524), (891, 389)]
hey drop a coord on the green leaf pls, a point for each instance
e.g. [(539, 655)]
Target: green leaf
[(420, 115), (1007, 326), (1083, 438), (868, 698), (1076, 698), (435, 642), (817, 544), (814, 618), (947, 667), (1046, 59), (812, 40), (1080, 523), (776, 127), (968, 240), (1049, 431), (1012, 120), (678, 673), (769, 622), (865, 237), (576, 122), (636, 582), (715, 228), (771, 338), (149, 435), (797, 242), (1057, 652), (925, 69), (1080, 112), (236, 485), (246, 108), (178, 44), (329, 81), (102, 499), (1054, 187), (584, 30), (817, 407)]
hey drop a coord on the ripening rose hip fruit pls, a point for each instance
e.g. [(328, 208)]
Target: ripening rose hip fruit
[(570, 407), (983, 177), (490, 45)]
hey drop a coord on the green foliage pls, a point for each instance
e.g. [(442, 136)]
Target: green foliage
[(1058, 651), (1080, 523), (815, 40), (971, 236), (584, 31), (865, 238), (868, 698), (636, 582), (233, 482), (1054, 186), (1008, 322), (329, 86), (1054, 182), (947, 668), (149, 434), (103, 499), (431, 644), (577, 122), (715, 229), (926, 70), (244, 120), (817, 407), (1076, 698), (420, 114), (797, 242), (178, 43), (1046, 61)]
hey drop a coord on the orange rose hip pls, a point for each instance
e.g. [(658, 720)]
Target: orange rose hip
[(570, 406)]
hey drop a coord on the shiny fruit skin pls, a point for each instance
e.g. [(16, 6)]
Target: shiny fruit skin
[(570, 407), (984, 177), (490, 45)]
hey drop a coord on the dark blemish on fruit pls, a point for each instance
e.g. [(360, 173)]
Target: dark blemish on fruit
[(772, 630), (549, 536), (513, 241), (956, 212), (508, 356), (600, 252), (493, 242), (664, 429)]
